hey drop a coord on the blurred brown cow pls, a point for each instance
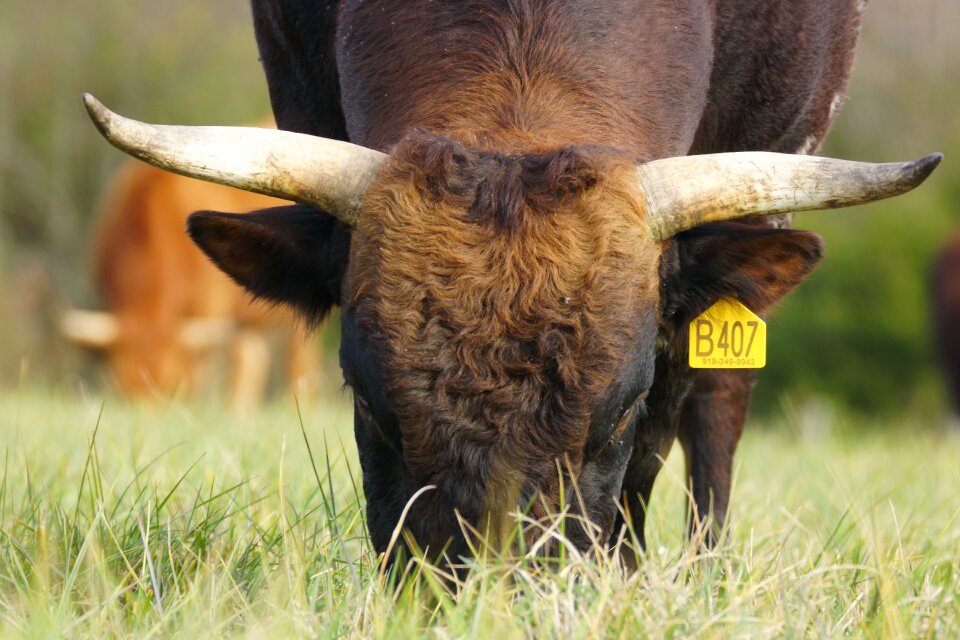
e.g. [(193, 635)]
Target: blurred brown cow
[(946, 313), (168, 306)]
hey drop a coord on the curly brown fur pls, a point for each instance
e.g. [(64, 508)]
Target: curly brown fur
[(503, 294)]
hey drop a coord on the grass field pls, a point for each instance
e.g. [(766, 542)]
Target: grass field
[(175, 521)]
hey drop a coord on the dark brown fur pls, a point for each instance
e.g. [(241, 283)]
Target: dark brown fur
[(946, 315), (501, 306)]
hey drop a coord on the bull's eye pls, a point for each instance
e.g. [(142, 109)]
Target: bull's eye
[(626, 418), (363, 408), (637, 402), (630, 413)]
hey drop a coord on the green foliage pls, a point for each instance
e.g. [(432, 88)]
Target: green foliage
[(858, 331), (172, 61), (124, 521), (175, 61)]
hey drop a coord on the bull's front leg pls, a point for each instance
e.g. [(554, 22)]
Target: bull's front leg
[(635, 498), (710, 426), (655, 433)]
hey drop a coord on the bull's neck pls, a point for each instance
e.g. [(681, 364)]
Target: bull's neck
[(526, 77)]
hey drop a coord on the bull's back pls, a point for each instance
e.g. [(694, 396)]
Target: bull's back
[(779, 74), (652, 78), (526, 76)]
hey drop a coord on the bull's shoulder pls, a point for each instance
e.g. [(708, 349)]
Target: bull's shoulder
[(779, 75), (296, 42)]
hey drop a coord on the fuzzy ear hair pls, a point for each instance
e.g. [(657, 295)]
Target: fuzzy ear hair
[(294, 254), (755, 265)]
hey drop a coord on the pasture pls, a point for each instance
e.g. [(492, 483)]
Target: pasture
[(173, 520)]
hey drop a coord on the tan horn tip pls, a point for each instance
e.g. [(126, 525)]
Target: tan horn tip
[(99, 114)]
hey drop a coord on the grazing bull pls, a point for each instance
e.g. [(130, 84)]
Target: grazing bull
[(946, 315), (518, 234), (168, 305)]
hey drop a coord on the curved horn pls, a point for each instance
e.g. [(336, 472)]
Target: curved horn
[(323, 173), (687, 191)]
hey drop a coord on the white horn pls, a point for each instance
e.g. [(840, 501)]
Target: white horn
[(327, 174), (90, 329), (205, 333), (684, 192)]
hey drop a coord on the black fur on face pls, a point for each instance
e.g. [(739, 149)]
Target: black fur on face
[(294, 254), (755, 265)]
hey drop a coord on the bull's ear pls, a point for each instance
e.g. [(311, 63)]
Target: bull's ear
[(294, 255), (755, 265)]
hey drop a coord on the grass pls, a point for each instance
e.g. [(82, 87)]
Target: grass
[(175, 521)]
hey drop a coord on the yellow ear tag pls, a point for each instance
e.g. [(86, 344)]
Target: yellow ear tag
[(728, 336)]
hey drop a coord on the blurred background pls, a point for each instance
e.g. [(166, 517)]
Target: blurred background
[(855, 338)]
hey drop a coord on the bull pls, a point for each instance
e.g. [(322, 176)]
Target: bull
[(168, 307), (946, 316), (519, 207)]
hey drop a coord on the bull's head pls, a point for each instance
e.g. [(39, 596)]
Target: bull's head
[(501, 314)]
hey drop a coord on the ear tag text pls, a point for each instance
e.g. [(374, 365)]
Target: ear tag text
[(728, 336)]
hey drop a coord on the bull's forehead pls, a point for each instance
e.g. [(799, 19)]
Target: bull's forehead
[(501, 330)]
